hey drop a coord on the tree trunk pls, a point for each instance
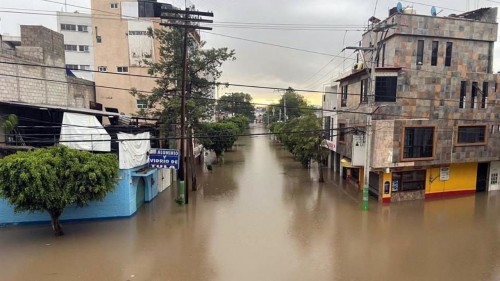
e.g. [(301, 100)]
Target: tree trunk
[(320, 171), (56, 226)]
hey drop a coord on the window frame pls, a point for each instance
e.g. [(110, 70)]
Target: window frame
[(420, 52), (463, 94), (403, 142), (102, 68), (82, 28), (69, 48), (388, 87), (341, 133), (84, 47), (484, 95), (72, 66), (113, 5), (449, 52), (485, 135), (399, 176), (343, 96), (363, 93), (473, 96), (124, 69), (434, 52), (68, 25), (84, 67), (140, 104)]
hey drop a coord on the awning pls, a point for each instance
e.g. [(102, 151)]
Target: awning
[(84, 132), (41, 106), (346, 162)]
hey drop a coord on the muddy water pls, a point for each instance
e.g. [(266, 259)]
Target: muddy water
[(261, 217)]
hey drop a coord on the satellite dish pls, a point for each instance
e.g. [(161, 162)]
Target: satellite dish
[(433, 11), (399, 7)]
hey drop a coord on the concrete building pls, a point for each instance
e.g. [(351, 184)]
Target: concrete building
[(33, 70), (78, 43), (330, 124), (122, 44), (436, 113)]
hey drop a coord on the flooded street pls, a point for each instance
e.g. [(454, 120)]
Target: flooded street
[(261, 217)]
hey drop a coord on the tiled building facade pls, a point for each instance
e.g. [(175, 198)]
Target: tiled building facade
[(436, 116)]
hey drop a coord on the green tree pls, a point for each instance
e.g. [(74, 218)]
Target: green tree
[(240, 121), (53, 178), (203, 69), (296, 105), (237, 104), (218, 137)]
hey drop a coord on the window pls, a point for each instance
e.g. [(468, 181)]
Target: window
[(132, 32), (494, 178), (420, 52), (84, 67), (386, 88), (327, 127), (434, 55), (83, 28), (383, 55), (98, 39), (83, 48), (343, 97), (70, 48), (471, 135), (122, 69), (114, 5), (463, 88), (484, 96), (418, 142), (364, 91), (341, 132), (473, 97), (449, 49), (72, 66), (102, 68), (409, 181), (68, 27), (142, 104)]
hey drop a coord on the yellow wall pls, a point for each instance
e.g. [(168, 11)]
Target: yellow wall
[(462, 177), (386, 177)]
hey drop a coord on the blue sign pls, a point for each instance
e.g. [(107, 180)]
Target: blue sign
[(164, 158)]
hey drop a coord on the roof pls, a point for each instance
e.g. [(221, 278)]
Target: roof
[(59, 108), (367, 70)]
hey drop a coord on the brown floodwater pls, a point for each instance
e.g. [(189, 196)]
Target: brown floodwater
[(260, 216)]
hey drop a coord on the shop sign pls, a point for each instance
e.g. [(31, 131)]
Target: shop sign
[(164, 158)]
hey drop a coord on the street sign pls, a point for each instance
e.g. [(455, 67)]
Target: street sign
[(164, 158)]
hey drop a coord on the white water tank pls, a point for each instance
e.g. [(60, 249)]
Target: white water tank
[(410, 10)]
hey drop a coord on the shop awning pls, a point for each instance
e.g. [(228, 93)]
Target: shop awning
[(346, 162)]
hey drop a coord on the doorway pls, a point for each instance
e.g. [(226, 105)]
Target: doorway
[(141, 193), (494, 176), (482, 177)]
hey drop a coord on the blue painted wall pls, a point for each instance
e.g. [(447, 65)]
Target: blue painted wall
[(119, 203)]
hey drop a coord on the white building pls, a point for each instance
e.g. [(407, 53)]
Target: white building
[(78, 43), (330, 125)]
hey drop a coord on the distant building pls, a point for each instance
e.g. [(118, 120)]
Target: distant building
[(78, 43), (330, 125), (436, 112)]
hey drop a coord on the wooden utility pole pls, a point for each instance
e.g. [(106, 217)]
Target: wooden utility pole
[(174, 19)]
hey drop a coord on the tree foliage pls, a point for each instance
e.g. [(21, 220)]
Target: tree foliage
[(219, 136), (303, 138), (237, 104), (242, 122), (53, 178), (203, 69)]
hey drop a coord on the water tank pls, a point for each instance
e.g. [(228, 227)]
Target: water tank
[(410, 10)]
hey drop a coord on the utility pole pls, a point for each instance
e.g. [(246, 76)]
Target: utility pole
[(174, 17), (374, 49)]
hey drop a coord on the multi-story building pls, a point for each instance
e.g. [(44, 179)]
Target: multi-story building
[(435, 114), (78, 43), (330, 124), (122, 44)]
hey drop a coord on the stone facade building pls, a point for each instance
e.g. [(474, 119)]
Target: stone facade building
[(435, 114)]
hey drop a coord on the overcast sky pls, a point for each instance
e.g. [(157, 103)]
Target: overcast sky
[(264, 65)]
